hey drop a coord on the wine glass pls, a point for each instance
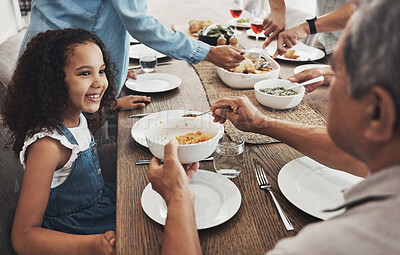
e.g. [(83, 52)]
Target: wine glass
[(236, 8), (257, 18)]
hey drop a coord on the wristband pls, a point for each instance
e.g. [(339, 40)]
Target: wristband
[(311, 24)]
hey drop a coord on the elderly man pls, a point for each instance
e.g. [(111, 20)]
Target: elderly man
[(363, 121)]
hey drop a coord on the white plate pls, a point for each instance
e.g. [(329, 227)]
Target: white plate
[(138, 130), (136, 49), (250, 32), (153, 82), (313, 187), (309, 66), (132, 40), (217, 200), (232, 23), (305, 53)]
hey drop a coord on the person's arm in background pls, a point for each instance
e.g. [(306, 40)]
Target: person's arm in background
[(151, 32), (309, 74), (332, 21), (171, 181), (312, 141), (275, 22)]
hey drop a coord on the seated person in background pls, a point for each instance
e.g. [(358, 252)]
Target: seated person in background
[(363, 121), (113, 21)]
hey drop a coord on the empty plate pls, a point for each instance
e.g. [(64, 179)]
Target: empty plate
[(136, 49), (153, 82)]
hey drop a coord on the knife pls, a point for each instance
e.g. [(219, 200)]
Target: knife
[(159, 64), (147, 161)]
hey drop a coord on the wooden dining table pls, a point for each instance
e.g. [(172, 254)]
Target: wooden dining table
[(256, 227)]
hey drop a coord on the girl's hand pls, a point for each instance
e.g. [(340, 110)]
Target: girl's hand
[(131, 74), (243, 114), (132, 102), (105, 243)]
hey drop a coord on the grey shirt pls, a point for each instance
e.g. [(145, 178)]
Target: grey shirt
[(330, 39), (370, 225)]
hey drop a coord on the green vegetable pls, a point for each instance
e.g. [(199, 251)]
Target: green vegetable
[(279, 91), (218, 30), (243, 20)]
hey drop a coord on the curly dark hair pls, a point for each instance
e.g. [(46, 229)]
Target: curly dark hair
[(37, 95)]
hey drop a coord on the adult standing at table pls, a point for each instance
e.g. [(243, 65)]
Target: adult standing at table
[(363, 120), (113, 21)]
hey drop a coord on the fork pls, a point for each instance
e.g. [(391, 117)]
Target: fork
[(264, 184)]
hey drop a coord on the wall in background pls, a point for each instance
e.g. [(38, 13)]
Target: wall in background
[(307, 6), (10, 19)]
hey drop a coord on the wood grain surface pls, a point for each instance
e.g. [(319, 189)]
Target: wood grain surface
[(257, 226)]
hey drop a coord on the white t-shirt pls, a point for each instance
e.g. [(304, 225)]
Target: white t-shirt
[(81, 134)]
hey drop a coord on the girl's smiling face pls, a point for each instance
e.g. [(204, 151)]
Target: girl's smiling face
[(85, 78)]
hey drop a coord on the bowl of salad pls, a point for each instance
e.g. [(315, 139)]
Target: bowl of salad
[(211, 34), (274, 93)]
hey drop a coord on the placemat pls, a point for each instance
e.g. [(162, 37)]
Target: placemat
[(216, 89)]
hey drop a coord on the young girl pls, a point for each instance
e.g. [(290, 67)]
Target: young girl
[(64, 206)]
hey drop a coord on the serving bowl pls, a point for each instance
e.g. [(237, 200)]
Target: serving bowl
[(278, 102), (212, 39), (160, 133), (247, 81)]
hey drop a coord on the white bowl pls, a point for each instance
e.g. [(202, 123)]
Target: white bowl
[(160, 134), (278, 102), (247, 81)]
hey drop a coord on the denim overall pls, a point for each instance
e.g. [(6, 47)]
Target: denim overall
[(82, 204)]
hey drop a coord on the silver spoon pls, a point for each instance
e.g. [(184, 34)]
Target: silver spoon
[(317, 79), (194, 115)]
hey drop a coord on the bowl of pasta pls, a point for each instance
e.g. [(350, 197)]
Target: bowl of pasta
[(197, 137), (246, 75)]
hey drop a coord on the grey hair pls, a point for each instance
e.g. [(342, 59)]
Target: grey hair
[(371, 50)]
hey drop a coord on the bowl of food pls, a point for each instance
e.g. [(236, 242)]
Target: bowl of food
[(197, 137), (275, 94), (246, 75), (211, 34)]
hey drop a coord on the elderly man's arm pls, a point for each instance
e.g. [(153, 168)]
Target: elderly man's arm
[(171, 181), (312, 141)]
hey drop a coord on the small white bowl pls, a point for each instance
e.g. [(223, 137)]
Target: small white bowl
[(160, 134), (278, 102), (247, 81)]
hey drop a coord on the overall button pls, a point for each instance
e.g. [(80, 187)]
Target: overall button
[(99, 171), (94, 149), (101, 192)]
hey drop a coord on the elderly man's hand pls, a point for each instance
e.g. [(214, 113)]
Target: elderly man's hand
[(309, 74), (243, 114), (288, 38), (273, 24), (171, 178), (225, 56), (132, 102)]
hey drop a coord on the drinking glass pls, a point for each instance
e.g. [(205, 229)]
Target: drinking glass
[(257, 18), (236, 8), (148, 61), (229, 157)]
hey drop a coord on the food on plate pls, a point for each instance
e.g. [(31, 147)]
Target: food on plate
[(290, 54), (244, 20), (221, 40), (279, 91), (192, 138), (248, 66), (196, 25)]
